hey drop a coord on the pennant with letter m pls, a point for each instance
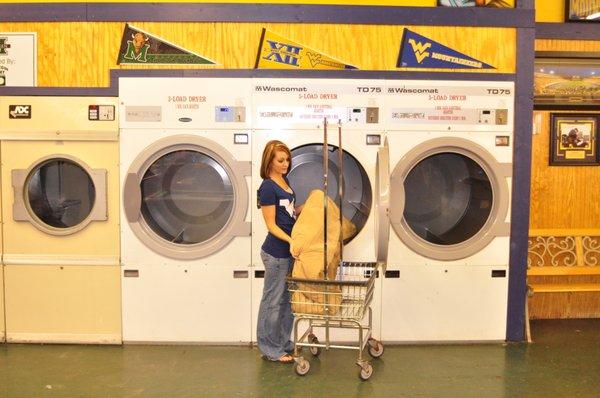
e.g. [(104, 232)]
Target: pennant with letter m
[(139, 47), (418, 51), (277, 52)]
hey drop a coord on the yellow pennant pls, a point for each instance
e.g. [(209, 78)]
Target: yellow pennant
[(277, 52)]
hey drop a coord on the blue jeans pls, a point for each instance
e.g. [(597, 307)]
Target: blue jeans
[(275, 319)]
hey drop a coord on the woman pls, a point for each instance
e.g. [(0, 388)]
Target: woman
[(276, 200)]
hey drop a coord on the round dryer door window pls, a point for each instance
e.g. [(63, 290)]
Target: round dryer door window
[(448, 198), (60, 193), (187, 197), (307, 174)]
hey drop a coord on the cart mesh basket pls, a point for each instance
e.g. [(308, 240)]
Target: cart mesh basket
[(345, 297)]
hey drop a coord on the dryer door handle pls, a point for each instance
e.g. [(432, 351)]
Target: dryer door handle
[(132, 197)]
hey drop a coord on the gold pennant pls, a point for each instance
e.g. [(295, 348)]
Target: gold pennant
[(277, 52)]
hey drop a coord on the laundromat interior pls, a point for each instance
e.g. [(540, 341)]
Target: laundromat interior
[(462, 147)]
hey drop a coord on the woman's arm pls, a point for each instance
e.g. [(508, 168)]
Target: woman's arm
[(268, 213), (298, 209)]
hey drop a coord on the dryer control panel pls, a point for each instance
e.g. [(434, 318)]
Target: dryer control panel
[(493, 116), (449, 105), (230, 114)]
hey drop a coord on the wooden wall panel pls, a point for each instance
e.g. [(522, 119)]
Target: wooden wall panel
[(567, 45), (565, 305), (562, 197), (77, 54)]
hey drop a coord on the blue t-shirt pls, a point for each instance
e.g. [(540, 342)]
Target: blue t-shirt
[(270, 194)]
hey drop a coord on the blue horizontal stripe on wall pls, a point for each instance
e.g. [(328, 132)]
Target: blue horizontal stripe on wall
[(113, 90), (572, 30), (284, 13)]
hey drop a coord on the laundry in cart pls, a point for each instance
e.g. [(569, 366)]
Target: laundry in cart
[(310, 298)]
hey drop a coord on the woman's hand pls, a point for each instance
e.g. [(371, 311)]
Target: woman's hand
[(294, 250)]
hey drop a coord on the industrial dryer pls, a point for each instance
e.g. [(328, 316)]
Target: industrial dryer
[(61, 221), (185, 235), (450, 148)]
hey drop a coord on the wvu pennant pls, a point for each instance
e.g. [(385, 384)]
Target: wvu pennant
[(417, 51), (277, 52), (139, 47)]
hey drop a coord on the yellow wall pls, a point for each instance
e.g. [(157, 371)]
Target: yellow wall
[(549, 10), (81, 54), (2, 326), (412, 3)]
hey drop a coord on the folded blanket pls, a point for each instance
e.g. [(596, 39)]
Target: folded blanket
[(308, 237)]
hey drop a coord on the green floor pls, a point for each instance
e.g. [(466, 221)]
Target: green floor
[(564, 361)]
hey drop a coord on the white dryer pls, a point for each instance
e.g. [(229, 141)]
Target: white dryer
[(293, 111), (185, 234), (450, 161)]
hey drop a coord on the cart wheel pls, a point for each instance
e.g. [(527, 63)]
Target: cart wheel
[(366, 370), (301, 367), (375, 348), (312, 339)]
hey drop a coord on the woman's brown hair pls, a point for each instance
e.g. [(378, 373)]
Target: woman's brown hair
[(269, 154)]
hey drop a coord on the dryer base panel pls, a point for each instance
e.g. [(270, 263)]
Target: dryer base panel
[(63, 304)]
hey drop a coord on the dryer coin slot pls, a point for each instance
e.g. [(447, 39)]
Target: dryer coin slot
[(363, 115), (498, 273), (493, 116), (502, 116), (240, 274), (259, 274), (185, 119), (502, 140), (392, 274), (131, 273), (373, 139), (372, 115), (240, 139)]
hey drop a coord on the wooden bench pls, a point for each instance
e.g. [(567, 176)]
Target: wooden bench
[(562, 253)]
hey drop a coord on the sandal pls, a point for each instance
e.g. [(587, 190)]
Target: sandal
[(287, 358)]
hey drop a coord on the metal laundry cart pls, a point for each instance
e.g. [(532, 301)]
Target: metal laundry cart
[(340, 303)]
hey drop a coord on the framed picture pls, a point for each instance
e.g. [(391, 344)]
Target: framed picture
[(582, 10), (477, 3), (573, 139), (566, 80)]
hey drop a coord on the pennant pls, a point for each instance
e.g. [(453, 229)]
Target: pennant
[(139, 47), (417, 51), (277, 52)]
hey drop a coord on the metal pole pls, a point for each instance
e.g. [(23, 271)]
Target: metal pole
[(325, 170), (341, 188)]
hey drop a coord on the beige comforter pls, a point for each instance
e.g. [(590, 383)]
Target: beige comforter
[(313, 298)]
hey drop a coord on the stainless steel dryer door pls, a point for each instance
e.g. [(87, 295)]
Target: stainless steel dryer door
[(455, 198), (382, 203), (306, 175), (186, 197)]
